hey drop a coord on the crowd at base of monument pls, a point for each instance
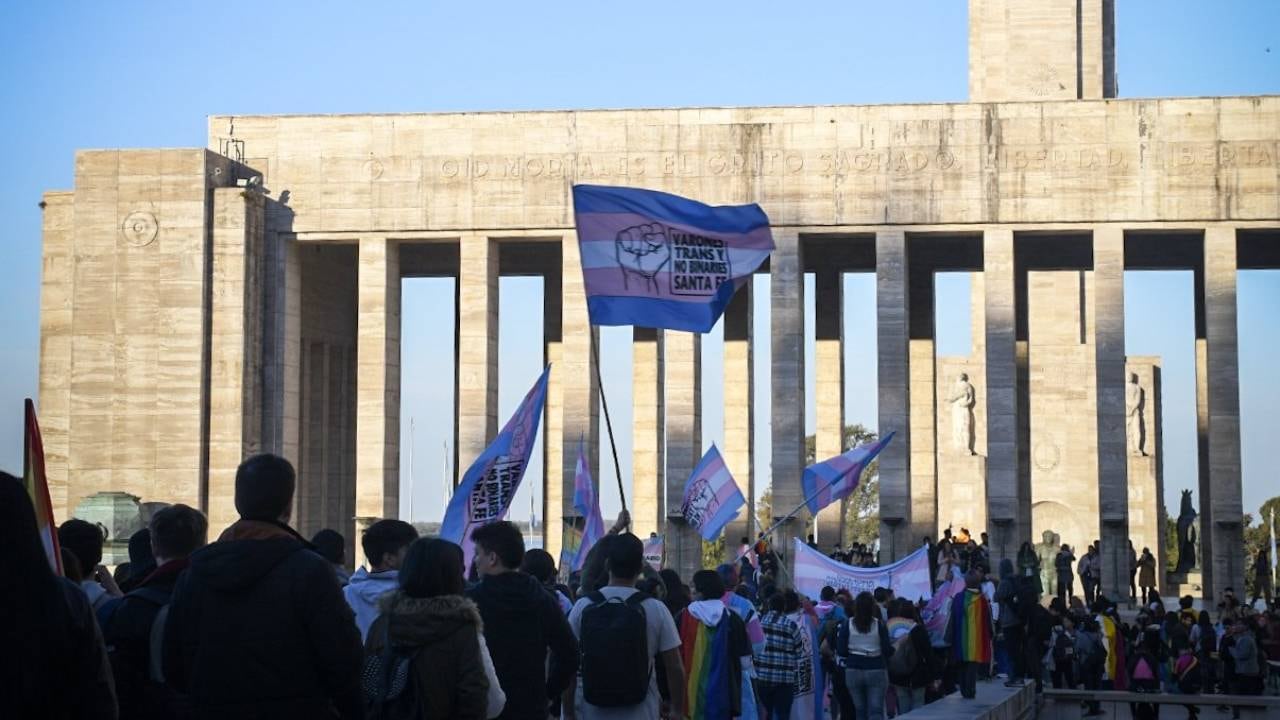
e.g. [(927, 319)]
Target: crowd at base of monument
[(264, 623)]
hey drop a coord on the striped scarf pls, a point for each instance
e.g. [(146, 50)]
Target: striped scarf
[(705, 652), (971, 633)]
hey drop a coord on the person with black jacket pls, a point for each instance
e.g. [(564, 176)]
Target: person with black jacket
[(175, 532), (522, 622), (1063, 563), (52, 661), (258, 627)]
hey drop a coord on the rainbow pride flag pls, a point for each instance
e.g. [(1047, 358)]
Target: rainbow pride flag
[(37, 484), (705, 652), (971, 627)]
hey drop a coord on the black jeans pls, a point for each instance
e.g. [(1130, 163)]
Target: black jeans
[(969, 679), (776, 699), (1092, 681), (1066, 586), (1065, 678), (841, 692)]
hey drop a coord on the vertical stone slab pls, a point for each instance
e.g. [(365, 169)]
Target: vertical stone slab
[(922, 368), (739, 413), (578, 380), (1146, 478), (1221, 507), (682, 390), (234, 345), (378, 381), (553, 416), (829, 392), (291, 362), (1008, 528), (1113, 478), (786, 341), (893, 367), (648, 489), (56, 289), (477, 359)]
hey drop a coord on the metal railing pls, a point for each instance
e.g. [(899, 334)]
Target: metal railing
[(1066, 703)]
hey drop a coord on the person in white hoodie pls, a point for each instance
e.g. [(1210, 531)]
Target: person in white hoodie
[(385, 544)]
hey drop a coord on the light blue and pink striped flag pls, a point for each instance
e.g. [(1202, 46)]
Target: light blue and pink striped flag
[(711, 497), (587, 502), (657, 260), (486, 490), (834, 479)]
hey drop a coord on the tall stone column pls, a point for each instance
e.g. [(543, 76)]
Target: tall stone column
[(580, 389), (56, 292), (1009, 526), (477, 360), (893, 368), (786, 340), (377, 381), (553, 501), (235, 336), (1221, 506), (739, 413), (682, 389), (829, 392), (647, 447), (1113, 473)]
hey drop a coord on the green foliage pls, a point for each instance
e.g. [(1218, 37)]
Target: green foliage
[(862, 508), (1257, 537), (713, 553)]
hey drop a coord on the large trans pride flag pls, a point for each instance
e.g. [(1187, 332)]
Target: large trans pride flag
[(486, 490), (657, 260), (834, 479)]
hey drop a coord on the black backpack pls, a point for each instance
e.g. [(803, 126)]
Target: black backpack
[(386, 681), (151, 691), (615, 651)]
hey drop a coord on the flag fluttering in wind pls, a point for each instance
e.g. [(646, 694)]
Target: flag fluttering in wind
[(486, 490), (587, 502), (657, 260), (711, 496), (834, 479), (1273, 543), (37, 484)]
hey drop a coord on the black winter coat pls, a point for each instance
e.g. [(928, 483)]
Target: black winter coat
[(522, 621), (127, 633), (258, 628)]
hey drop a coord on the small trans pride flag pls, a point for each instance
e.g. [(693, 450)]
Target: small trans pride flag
[(711, 497)]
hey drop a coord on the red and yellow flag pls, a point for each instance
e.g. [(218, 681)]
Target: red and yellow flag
[(37, 485)]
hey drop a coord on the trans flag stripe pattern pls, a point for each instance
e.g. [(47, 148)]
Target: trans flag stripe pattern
[(656, 260)]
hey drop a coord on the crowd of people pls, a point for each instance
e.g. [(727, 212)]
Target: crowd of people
[(263, 623)]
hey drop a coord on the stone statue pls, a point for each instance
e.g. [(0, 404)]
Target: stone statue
[(1186, 535), (1047, 551), (1134, 404), (962, 400)]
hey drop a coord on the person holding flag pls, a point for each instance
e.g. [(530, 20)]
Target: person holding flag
[(488, 486), (587, 502)]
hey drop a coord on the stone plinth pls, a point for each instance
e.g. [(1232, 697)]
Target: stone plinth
[(121, 515), (962, 493)]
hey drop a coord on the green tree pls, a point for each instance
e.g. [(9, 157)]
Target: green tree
[(1257, 537), (713, 553)]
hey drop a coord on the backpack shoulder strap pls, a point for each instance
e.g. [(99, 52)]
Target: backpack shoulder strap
[(637, 599), (596, 597)]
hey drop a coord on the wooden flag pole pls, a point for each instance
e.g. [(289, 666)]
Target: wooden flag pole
[(608, 423)]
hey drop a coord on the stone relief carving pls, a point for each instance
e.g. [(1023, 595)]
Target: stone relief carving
[(1135, 401), (962, 399), (139, 228)]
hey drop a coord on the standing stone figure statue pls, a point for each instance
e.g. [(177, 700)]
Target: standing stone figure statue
[(962, 400), (1186, 535), (1047, 551), (1134, 404)]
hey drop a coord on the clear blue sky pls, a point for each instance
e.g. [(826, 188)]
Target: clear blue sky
[(82, 75)]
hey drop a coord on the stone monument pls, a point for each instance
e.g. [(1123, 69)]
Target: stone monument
[(1134, 403), (1047, 551), (119, 515), (962, 400)]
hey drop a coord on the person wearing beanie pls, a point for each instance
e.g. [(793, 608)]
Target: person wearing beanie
[(258, 626)]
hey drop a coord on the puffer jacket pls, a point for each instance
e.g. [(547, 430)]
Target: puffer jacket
[(448, 670)]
